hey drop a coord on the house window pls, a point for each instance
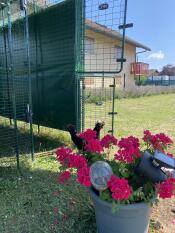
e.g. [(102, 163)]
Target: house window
[(89, 45), (118, 53)]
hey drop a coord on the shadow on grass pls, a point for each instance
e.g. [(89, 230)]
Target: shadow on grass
[(44, 141), (33, 201)]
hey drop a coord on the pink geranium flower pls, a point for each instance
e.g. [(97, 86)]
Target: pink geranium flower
[(94, 146), (129, 149), (83, 176), (158, 141), (63, 154), (120, 188), (76, 161), (88, 135), (167, 188), (127, 184), (108, 140)]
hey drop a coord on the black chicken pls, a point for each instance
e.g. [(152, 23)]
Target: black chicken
[(75, 138), (79, 142), (98, 126)]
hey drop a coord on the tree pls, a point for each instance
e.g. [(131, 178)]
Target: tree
[(168, 70)]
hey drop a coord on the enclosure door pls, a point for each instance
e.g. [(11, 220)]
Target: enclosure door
[(100, 59), (98, 102)]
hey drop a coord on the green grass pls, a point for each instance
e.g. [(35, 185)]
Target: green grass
[(32, 201), (44, 140), (155, 113)]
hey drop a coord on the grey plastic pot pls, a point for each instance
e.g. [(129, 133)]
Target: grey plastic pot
[(133, 218)]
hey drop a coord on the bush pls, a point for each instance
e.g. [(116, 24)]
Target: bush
[(95, 95)]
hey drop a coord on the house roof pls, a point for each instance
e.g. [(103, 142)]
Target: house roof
[(113, 34)]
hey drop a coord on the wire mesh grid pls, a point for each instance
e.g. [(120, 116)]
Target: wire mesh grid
[(103, 49), (103, 40), (52, 64), (15, 135), (98, 102), (43, 58)]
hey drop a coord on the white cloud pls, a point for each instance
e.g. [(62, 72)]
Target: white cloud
[(156, 56)]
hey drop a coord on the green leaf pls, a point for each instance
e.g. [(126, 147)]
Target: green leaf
[(105, 195), (115, 207)]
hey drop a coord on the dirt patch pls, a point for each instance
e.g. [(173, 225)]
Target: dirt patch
[(163, 215)]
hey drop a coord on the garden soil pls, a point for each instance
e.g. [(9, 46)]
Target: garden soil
[(163, 216)]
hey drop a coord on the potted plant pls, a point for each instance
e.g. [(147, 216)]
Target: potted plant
[(122, 176)]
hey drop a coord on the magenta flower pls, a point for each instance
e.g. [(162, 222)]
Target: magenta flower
[(167, 188), (120, 188), (94, 146), (129, 149), (83, 176), (108, 140), (88, 135)]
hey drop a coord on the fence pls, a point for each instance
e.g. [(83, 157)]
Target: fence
[(46, 59), (160, 81)]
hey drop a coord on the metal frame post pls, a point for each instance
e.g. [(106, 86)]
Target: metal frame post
[(12, 77), (29, 107), (79, 61), (6, 65)]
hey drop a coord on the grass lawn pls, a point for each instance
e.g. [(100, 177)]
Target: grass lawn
[(32, 201), (156, 113)]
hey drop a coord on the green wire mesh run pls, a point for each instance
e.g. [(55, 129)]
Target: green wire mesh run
[(15, 129), (104, 38), (98, 102), (43, 68), (58, 53), (103, 50)]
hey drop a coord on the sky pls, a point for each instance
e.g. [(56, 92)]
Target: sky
[(154, 27)]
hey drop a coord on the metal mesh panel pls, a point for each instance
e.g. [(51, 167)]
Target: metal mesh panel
[(15, 104), (103, 51), (58, 60), (104, 40), (41, 50), (98, 101)]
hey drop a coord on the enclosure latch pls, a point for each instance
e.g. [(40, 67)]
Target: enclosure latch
[(128, 25), (112, 85), (112, 113), (121, 60)]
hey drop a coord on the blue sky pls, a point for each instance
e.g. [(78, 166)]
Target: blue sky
[(153, 26)]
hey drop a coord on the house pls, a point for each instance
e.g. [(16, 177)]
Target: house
[(103, 48), (153, 72)]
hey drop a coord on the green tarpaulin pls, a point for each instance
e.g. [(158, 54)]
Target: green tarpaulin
[(52, 42)]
